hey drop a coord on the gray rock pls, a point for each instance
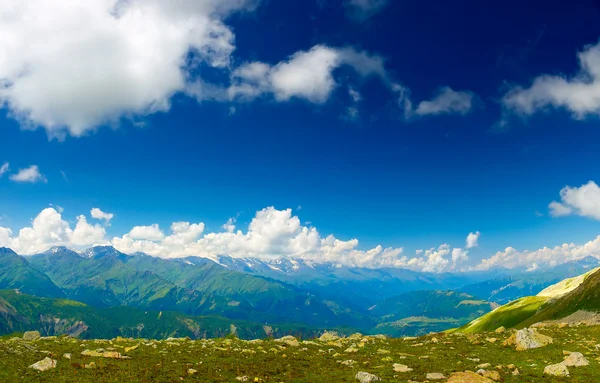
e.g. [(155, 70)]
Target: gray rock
[(435, 376), (558, 369), (44, 365), (365, 377), (576, 359), (31, 335)]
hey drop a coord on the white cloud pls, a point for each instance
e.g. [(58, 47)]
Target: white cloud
[(271, 234), (579, 94), (31, 174), (4, 168), (100, 60), (99, 214), (49, 229), (472, 240), (446, 101), (550, 256), (583, 201), (149, 233), (229, 226), (361, 10), (306, 75)]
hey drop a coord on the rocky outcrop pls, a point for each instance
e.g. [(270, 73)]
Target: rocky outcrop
[(575, 359)]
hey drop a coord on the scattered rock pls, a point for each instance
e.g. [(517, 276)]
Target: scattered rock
[(558, 369), (468, 377), (483, 365), (90, 366), (516, 372), (329, 336), (365, 377), (242, 378), (500, 330), (31, 335), (128, 349), (191, 371), (401, 368), (67, 356), (289, 340), (576, 359), (527, 339), (491, 374), (435, 376), (44, 365)]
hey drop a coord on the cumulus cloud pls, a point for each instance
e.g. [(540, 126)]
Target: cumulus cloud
[(100, 60), (271, 234), (307, 75), (99, 214), (50, 229), (472, 240), (583, 201), (446, 101), (4, 168), (360, 10), (548, 256), (579, 94), (31, 174)]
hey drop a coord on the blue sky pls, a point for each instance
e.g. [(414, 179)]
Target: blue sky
[(353, 167)]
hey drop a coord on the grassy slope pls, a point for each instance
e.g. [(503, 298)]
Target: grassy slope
[(554, 302), (17, 273), (20, 312), (222, 360)]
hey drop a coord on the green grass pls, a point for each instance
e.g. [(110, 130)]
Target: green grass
[(222, 360), (509, 315)]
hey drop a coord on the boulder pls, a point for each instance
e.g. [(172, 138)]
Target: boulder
[(500, 330), (576, 359), (328, 336), (401, 368), (365, 377), (435, 376), (44, 365), (289, 340), (31, 335), (558, 369), (527, 339)]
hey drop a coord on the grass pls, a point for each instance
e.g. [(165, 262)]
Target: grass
[(223, 360)]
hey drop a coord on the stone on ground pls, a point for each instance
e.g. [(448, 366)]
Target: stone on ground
[(31, 335), (401, 368), (365, 377), (576, 359), (558, 369), (44, 365), (527, 339), (435, 376)]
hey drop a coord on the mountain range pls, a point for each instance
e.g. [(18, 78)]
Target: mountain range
[(251, 293)]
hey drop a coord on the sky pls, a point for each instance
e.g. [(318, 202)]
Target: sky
[(434, 135)]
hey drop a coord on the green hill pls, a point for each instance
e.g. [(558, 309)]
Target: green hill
[(554, 302), (20, 312), (17, 273)]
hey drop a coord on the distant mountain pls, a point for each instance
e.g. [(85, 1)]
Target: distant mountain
[(555, 302), (105, 277), (506, 288), (421, 312), (359, 286), (20, 312), (17, 273)]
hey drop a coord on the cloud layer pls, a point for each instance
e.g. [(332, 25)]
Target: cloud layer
[(271, 234)]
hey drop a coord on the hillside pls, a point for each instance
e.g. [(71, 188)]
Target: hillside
[(104, 277), (21, 312), (17, 273), (422, 312), (554, 302), (451, 358)]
